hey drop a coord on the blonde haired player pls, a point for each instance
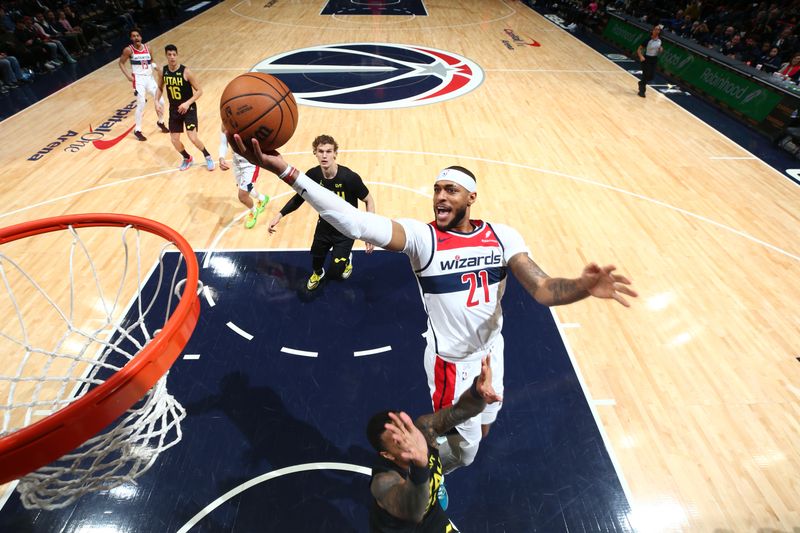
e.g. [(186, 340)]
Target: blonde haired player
[(246, 175), (141, 76)]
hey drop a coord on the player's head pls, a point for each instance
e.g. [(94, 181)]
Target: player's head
[(325, 149), (379, 437), (454, 191), (656, 31), (171, 52), (136, 36)]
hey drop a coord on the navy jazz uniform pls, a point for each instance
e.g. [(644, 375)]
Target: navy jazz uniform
[(434, 521), (179, 90), (347, 185)]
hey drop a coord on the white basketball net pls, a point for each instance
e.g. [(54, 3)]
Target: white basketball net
[(52, 358)]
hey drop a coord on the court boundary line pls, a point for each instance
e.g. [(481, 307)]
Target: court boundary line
[(593, 408)]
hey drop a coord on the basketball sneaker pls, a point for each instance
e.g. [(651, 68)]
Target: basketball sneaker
[(164, 128), (250, 219), (138, 135), (186, 164), (262, 204), (314, 280), (441, 495), (348, 270), (209, 163)]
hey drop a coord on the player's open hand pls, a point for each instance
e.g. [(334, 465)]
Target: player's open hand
[(273, 223), (272, 160), (484, 383), (409, 438), (601, 282), (183, 108), (223, 165)]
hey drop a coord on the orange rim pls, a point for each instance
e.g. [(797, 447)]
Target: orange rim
[(43, 442)]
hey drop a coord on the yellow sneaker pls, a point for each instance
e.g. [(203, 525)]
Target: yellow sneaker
[(314, 280), (261, 205), (349, 268), (250, 219)]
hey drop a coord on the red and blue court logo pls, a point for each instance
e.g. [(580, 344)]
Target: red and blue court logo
[(373, 75)]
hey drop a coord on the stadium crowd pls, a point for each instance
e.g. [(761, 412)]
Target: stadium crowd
[(39, 36), (763, 35)]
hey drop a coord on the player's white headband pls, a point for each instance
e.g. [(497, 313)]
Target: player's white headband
[(456, 176)]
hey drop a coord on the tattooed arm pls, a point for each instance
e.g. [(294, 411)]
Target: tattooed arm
[(471, 403), (597, 281), (402, 498)]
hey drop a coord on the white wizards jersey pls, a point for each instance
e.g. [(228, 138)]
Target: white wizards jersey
[(462, 278), (141, 61)]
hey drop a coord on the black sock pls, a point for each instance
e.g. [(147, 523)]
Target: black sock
[(317, 263), (185, 154), (205, 153)]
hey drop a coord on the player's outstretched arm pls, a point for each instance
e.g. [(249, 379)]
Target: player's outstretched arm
[(600, 282), (469, 404), (356, 224)]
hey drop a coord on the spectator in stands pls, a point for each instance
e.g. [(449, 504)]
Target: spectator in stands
[(44, 56), (730, 31), (700, 33), (734, 47), (11, 47), (693, 10), (790, 70), (685, 29), (785, 41), (76, 40), (6, 22), (50, 40), (113, 10), (750, 51), (88, 28), (771, 61), (717, 37), (10, 71)]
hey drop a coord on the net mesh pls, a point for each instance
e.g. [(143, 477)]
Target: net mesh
[(62, 335)]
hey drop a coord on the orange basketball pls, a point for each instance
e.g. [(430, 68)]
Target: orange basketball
[(260, 106)]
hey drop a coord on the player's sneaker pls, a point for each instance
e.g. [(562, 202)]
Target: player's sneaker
[(209, 163), (313, 281), (138, 135), (348, 270), (164, 128), (186, 164), (250, 219), (441, 495), (262, 204)]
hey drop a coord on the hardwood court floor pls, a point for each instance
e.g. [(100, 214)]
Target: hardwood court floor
[(697, 386)]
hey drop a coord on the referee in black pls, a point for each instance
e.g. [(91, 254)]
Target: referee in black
[(348, 185), (648, 53)]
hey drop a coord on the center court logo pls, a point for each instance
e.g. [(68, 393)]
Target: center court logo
[(373, 75)]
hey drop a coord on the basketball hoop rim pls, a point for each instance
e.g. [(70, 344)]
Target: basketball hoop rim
[(43, 442)]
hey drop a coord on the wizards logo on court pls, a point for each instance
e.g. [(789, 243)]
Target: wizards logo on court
[(373, 75)]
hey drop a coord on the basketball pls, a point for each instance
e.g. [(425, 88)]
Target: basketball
[(260, 106)]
